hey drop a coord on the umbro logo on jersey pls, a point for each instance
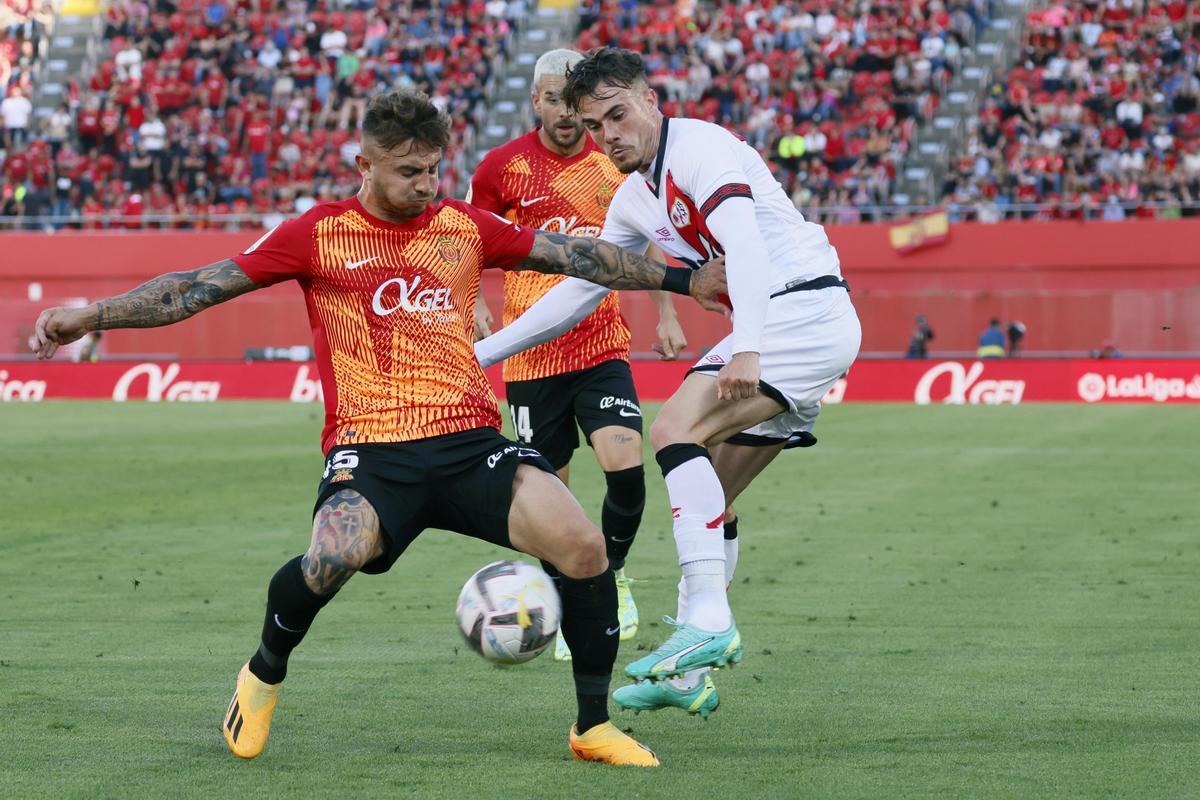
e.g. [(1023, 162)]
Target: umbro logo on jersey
[(527, 203), (664, 232), (356, 264)]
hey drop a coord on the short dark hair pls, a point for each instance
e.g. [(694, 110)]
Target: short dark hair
[(607, 65), (405, 115)]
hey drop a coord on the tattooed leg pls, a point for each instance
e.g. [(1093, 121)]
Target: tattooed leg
[(345, 537)]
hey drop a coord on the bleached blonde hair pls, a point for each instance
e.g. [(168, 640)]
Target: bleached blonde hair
[(555, 62)]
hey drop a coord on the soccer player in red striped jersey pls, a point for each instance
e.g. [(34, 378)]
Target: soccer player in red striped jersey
[(555, 178), (411, 427)]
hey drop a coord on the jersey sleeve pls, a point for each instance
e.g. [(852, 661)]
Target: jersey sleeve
[(619, 231), (282, 253), (558, 310), (505, 244), (485, 191), (713, 173)]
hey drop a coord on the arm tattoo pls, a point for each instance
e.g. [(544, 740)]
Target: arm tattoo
[(593, 260), (346, 535), (173, 297)]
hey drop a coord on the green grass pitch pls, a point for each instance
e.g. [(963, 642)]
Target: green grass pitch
[(937, 602)]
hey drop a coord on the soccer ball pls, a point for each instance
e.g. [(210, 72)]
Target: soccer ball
[(509, 612)]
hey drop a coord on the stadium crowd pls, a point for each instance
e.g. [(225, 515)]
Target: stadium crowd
[(217, 107), (25, 26), (829, 92), (213, 107), (1099, 118)]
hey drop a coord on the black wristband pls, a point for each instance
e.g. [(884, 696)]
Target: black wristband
[(677, 280)]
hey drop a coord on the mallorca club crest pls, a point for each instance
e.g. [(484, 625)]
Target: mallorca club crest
[(448, 249), (604, 195), (680, 217), (342, 475)]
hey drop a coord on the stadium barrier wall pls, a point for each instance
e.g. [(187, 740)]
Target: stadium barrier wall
[(995, 382), (1073, 284)]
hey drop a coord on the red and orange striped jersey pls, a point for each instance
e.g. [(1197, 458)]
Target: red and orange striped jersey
[(391, 312), (525, 182)]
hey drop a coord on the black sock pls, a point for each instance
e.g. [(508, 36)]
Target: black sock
[(731, 529), (591, 629), (622, 511), (291, 608)]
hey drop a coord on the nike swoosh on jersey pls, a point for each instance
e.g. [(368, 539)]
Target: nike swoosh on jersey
[(527, 203), (626, 413), (356, 264)]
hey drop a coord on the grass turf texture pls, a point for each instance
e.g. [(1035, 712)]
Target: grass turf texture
[(950, 601)]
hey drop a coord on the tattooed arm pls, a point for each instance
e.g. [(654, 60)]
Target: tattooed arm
[(608, 265), (160, 301)]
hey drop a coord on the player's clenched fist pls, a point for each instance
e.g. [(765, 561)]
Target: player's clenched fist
[(738, 380), (58, 326), (708, 287)]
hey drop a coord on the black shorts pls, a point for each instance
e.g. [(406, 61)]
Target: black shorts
[(545, 411), (458, 482)]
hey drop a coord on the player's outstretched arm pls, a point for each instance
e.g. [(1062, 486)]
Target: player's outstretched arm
[(608, 265), (159, 301)]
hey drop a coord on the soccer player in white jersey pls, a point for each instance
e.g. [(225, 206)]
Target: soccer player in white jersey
[(701, 193)]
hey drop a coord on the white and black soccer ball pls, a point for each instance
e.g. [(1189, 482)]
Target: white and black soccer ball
[(509, 612)]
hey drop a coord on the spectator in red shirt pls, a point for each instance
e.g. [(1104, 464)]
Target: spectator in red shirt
[(258, 139)]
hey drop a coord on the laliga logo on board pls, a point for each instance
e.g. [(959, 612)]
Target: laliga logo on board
[(965, 386), (1093, 388), (412, 299), (162, 386), (23, 391)]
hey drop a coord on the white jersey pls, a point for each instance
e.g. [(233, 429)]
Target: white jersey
[(710, 194), (699, 166)]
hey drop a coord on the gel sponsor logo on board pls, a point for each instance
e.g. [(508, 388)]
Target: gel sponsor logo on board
[(963, 385), (161, 385)]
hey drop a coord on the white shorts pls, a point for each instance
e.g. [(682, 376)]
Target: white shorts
[(810, 338)]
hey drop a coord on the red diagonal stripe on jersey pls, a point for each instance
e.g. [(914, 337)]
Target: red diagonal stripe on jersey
[(675, 511), (716, 523)]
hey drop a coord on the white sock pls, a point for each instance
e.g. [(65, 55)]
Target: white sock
[(731, 559), (689, 680), (698, 506)]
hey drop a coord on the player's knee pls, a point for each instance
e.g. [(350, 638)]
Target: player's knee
[(626, 489), (667, 430), (586, 557), (346, 537)]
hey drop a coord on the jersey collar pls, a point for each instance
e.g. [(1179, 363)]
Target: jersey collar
[(657, 165)]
